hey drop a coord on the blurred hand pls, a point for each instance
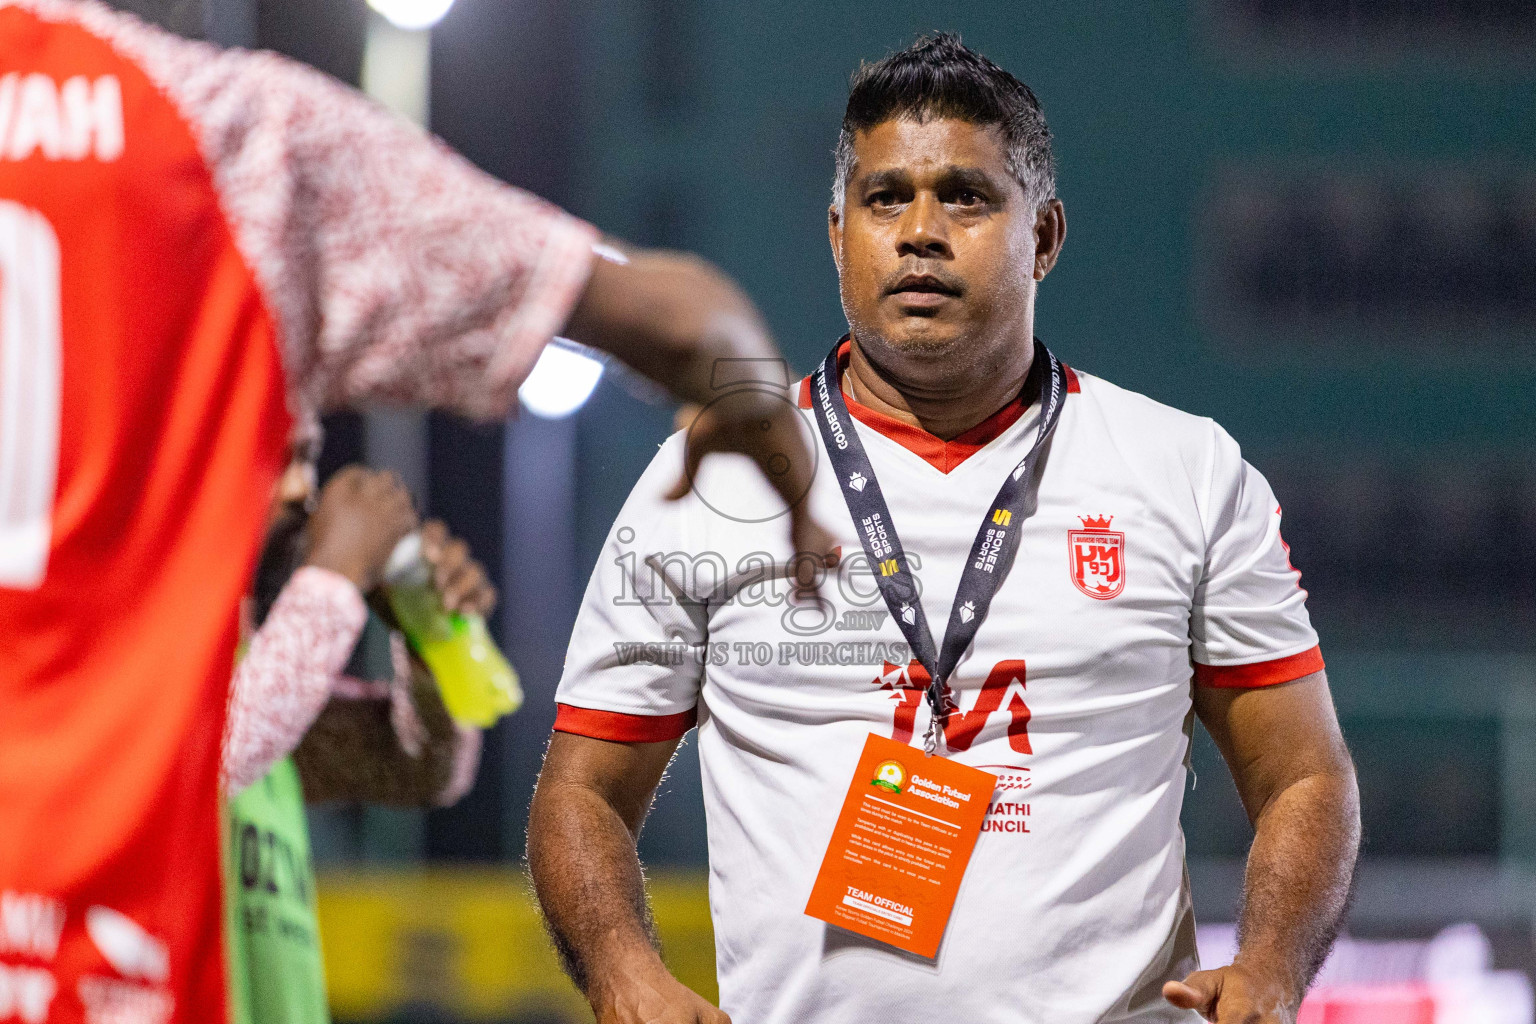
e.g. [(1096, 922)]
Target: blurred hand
[(361, 516), (685, 415), (674, 318), (1234, 995), (653, 996), (458, 578), (768, 430)]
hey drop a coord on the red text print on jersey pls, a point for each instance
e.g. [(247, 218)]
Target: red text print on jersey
[(1002, 691)]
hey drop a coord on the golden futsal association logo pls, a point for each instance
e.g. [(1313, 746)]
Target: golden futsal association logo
[(890, 775)]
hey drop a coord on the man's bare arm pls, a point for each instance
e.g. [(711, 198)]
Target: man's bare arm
[(1297, 782), (675, 318), (587, 811)]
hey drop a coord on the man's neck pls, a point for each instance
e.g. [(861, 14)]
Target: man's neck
[(945, 409)]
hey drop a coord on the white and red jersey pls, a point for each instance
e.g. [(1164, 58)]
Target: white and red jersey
[(199, 249), (1152, 564)]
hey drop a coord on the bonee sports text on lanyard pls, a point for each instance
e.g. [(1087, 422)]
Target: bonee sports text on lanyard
[(908, 824), (991, 554)]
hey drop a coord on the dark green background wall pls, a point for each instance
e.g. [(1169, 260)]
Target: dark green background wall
[(1401, 454)]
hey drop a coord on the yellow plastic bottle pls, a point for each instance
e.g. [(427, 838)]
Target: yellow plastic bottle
[(477, 684)]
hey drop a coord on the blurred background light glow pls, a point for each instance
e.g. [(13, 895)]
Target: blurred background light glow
[(412, 14), (561, 382)]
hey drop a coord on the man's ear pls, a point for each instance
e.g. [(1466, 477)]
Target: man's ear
[(835, 236), (1050, 235)]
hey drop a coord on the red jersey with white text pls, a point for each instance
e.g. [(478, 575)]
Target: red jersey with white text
[(200, 250), (1151, 564)]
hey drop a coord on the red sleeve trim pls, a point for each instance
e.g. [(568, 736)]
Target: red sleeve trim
[(1262, 673), (619, 727)]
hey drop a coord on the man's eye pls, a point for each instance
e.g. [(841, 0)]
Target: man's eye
[(968, 197), (885, 198)]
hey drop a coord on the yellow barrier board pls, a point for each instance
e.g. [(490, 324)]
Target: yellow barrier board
[(470, 942)]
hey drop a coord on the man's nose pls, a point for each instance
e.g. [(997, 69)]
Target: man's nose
[(296, 485), (924, 229)]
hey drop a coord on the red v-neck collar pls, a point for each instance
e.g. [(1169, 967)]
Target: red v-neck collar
[(940, 454)]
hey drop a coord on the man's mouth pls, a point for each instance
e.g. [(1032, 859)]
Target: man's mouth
[(921, 284)]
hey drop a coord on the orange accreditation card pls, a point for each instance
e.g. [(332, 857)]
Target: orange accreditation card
[(901, 845)]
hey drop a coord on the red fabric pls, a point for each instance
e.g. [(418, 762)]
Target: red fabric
[(622, 728), (1261, 673), (115, 671), (940, 454), (240, 241)]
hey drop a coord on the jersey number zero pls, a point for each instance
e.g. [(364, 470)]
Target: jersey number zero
[(31, 354)]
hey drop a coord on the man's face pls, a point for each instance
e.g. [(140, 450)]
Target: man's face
[(936, 243), (298, 485), (287, 516)]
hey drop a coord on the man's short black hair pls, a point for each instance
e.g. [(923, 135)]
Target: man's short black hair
[(939, 76)]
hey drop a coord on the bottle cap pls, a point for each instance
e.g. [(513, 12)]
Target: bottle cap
[(406, 564)]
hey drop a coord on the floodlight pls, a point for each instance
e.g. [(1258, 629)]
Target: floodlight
[(561, 382), (412, 14)]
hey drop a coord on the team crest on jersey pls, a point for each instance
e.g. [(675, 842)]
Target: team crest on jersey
[(1096, 557)]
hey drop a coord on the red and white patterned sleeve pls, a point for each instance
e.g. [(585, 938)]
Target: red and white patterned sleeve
[(286, 677), (395, 270)]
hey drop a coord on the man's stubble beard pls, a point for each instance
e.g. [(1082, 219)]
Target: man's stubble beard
[(954, 360), (873, 341)]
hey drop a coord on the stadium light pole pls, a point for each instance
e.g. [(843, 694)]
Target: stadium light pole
[(539, 580), (397, 71)]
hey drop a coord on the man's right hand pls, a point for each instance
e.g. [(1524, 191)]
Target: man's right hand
[(587, 810), (361, 516), (768, 430), (677, 320), (650, 995)]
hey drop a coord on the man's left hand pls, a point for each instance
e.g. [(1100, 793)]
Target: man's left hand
[(1234, 995)]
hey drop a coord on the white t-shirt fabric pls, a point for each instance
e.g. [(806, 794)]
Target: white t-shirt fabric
[(1076, 693)]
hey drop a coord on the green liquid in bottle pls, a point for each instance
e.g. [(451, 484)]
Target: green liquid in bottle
[(477, 684)]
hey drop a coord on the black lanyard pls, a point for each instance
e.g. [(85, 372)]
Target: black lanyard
[(996, 542)]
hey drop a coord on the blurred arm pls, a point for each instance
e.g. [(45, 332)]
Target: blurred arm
[(284, 680), (671, 316), (404, 753), (1297, 783), (675, 318), (402, 747), (591, 800)]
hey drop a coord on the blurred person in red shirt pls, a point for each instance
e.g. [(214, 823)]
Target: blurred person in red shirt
[(200, 251)]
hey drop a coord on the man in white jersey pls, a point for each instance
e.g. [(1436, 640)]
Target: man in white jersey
[(1097, 569)]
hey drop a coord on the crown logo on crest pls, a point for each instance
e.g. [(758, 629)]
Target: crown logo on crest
[(1096, 522)]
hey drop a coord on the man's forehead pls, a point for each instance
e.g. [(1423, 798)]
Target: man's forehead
[(932, 146)]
